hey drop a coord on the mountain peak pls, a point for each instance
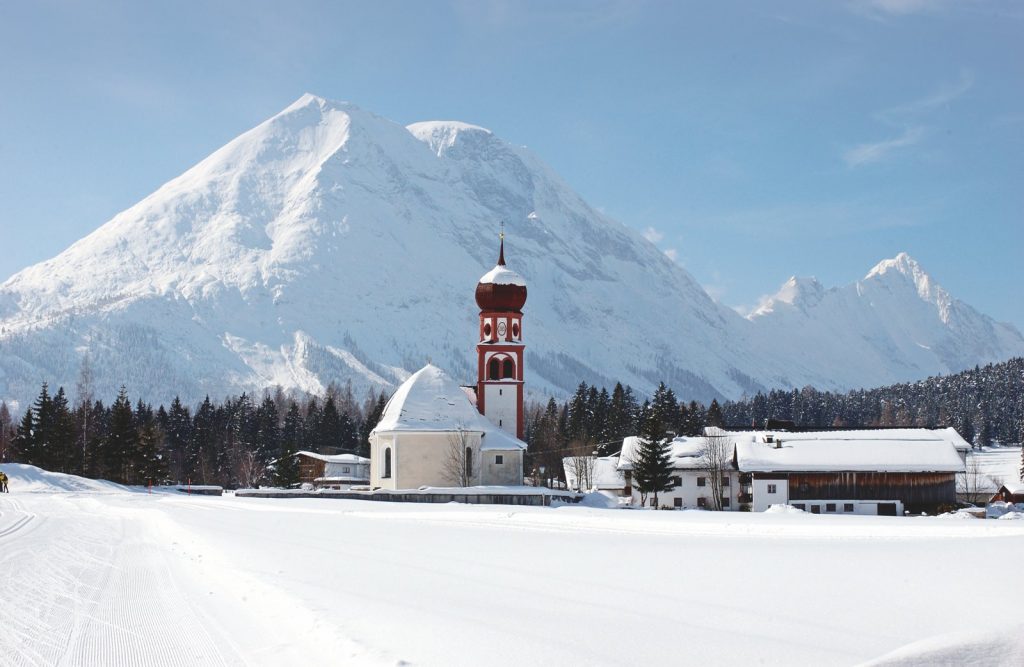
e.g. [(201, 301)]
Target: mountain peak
[(903, 263), (906, 266), (796, 292)]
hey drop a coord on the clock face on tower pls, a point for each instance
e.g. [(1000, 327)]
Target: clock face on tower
[(501, 328)]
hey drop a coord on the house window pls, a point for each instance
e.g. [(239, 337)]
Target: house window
[(677, 502), (830, 507), (702, 502), (387, 463), (499, 459), (771, 488), (653, 504), (848, 507), (702, 481), (800, 506), (677, 481), (725, 501), (725, 481), (345, 470), (815, 509)]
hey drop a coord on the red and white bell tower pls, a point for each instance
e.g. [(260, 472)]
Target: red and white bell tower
[(501, 294)]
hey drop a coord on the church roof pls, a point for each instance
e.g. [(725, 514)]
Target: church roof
[(431, 401)]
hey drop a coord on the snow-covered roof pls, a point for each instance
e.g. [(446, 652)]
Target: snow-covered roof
[(431, 401), (894, 450), (1015, 488), (502, 275), (605, 474), (685, 452), (334, 458)]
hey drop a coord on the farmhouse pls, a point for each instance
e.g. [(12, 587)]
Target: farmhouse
[(340, 471), (594, 473), (858, 472), (1010, 492), (851, 472)]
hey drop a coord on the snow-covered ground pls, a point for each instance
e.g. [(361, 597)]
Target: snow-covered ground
[(93, 574)]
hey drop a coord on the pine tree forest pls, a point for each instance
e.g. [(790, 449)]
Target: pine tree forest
[(234, 442)]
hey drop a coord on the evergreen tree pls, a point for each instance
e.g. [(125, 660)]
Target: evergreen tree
[(25, 439), (121, 442), (150, 463), (652, 464), (715, 417), (286, 468), (6, 433), (64, 455)]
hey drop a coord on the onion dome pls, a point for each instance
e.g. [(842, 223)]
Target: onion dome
[(501, 289)]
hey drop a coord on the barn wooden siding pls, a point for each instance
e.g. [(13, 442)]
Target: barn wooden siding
[(310, 468), (919, 491)]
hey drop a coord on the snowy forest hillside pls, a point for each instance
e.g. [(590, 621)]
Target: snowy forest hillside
[(330, 245)]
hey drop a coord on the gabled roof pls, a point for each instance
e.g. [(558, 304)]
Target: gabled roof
[(431, 401)]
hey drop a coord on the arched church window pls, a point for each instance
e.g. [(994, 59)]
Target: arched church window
[(494, 369), (387, 463), (469, 464), (487, 330), (508, 369), (515, 329)]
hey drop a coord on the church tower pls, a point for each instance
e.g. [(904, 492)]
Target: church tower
[(501, 294)]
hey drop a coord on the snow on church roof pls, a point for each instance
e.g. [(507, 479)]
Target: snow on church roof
[(431, 401), (502, 275)]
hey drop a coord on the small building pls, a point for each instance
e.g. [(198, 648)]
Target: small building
[(692, 487), (1010, 492), (428, 428), (333, 471), (852, 472)]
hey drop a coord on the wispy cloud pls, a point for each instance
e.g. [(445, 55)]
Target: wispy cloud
[(878, 150), (653, 235), (940, 97), (911, 118), (903, 7)]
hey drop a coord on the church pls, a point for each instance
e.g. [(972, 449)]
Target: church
[(436, 433)]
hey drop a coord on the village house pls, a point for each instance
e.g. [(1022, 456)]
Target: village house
[(594, 473), (338, 471), (843, 472), (1010, 492)]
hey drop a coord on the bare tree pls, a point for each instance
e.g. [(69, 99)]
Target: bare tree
[(973, 485), (249, 470), (582, 465), (459, 467), (716, 460)]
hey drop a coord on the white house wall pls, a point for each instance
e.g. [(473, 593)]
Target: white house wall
[(688, 492), (763, 499)]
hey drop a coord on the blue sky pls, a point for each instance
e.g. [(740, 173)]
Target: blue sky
[(751, 141)]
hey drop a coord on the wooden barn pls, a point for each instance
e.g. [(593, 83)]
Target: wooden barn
[(852, 472), (1011, 492), (334, 471)]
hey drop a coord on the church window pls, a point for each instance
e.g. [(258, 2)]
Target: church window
[(515, 329), (387, 463), (499, 459), (494, 369), (487, 330), (508, 369), (469, 462)]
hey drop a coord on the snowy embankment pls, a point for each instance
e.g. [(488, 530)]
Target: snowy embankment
[(135, 578)]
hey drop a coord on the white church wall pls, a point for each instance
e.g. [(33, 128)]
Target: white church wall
[(509, 472)]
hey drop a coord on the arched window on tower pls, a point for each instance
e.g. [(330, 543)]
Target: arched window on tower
[(387, 463), (494, 369), (508, 369)]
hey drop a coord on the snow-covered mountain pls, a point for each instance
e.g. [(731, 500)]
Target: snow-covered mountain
[(330, 244), (897, 324)]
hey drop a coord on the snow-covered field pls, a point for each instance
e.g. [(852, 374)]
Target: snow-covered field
[(94, 574)]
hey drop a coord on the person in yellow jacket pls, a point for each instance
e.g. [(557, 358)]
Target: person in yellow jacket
[(3, 482)]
